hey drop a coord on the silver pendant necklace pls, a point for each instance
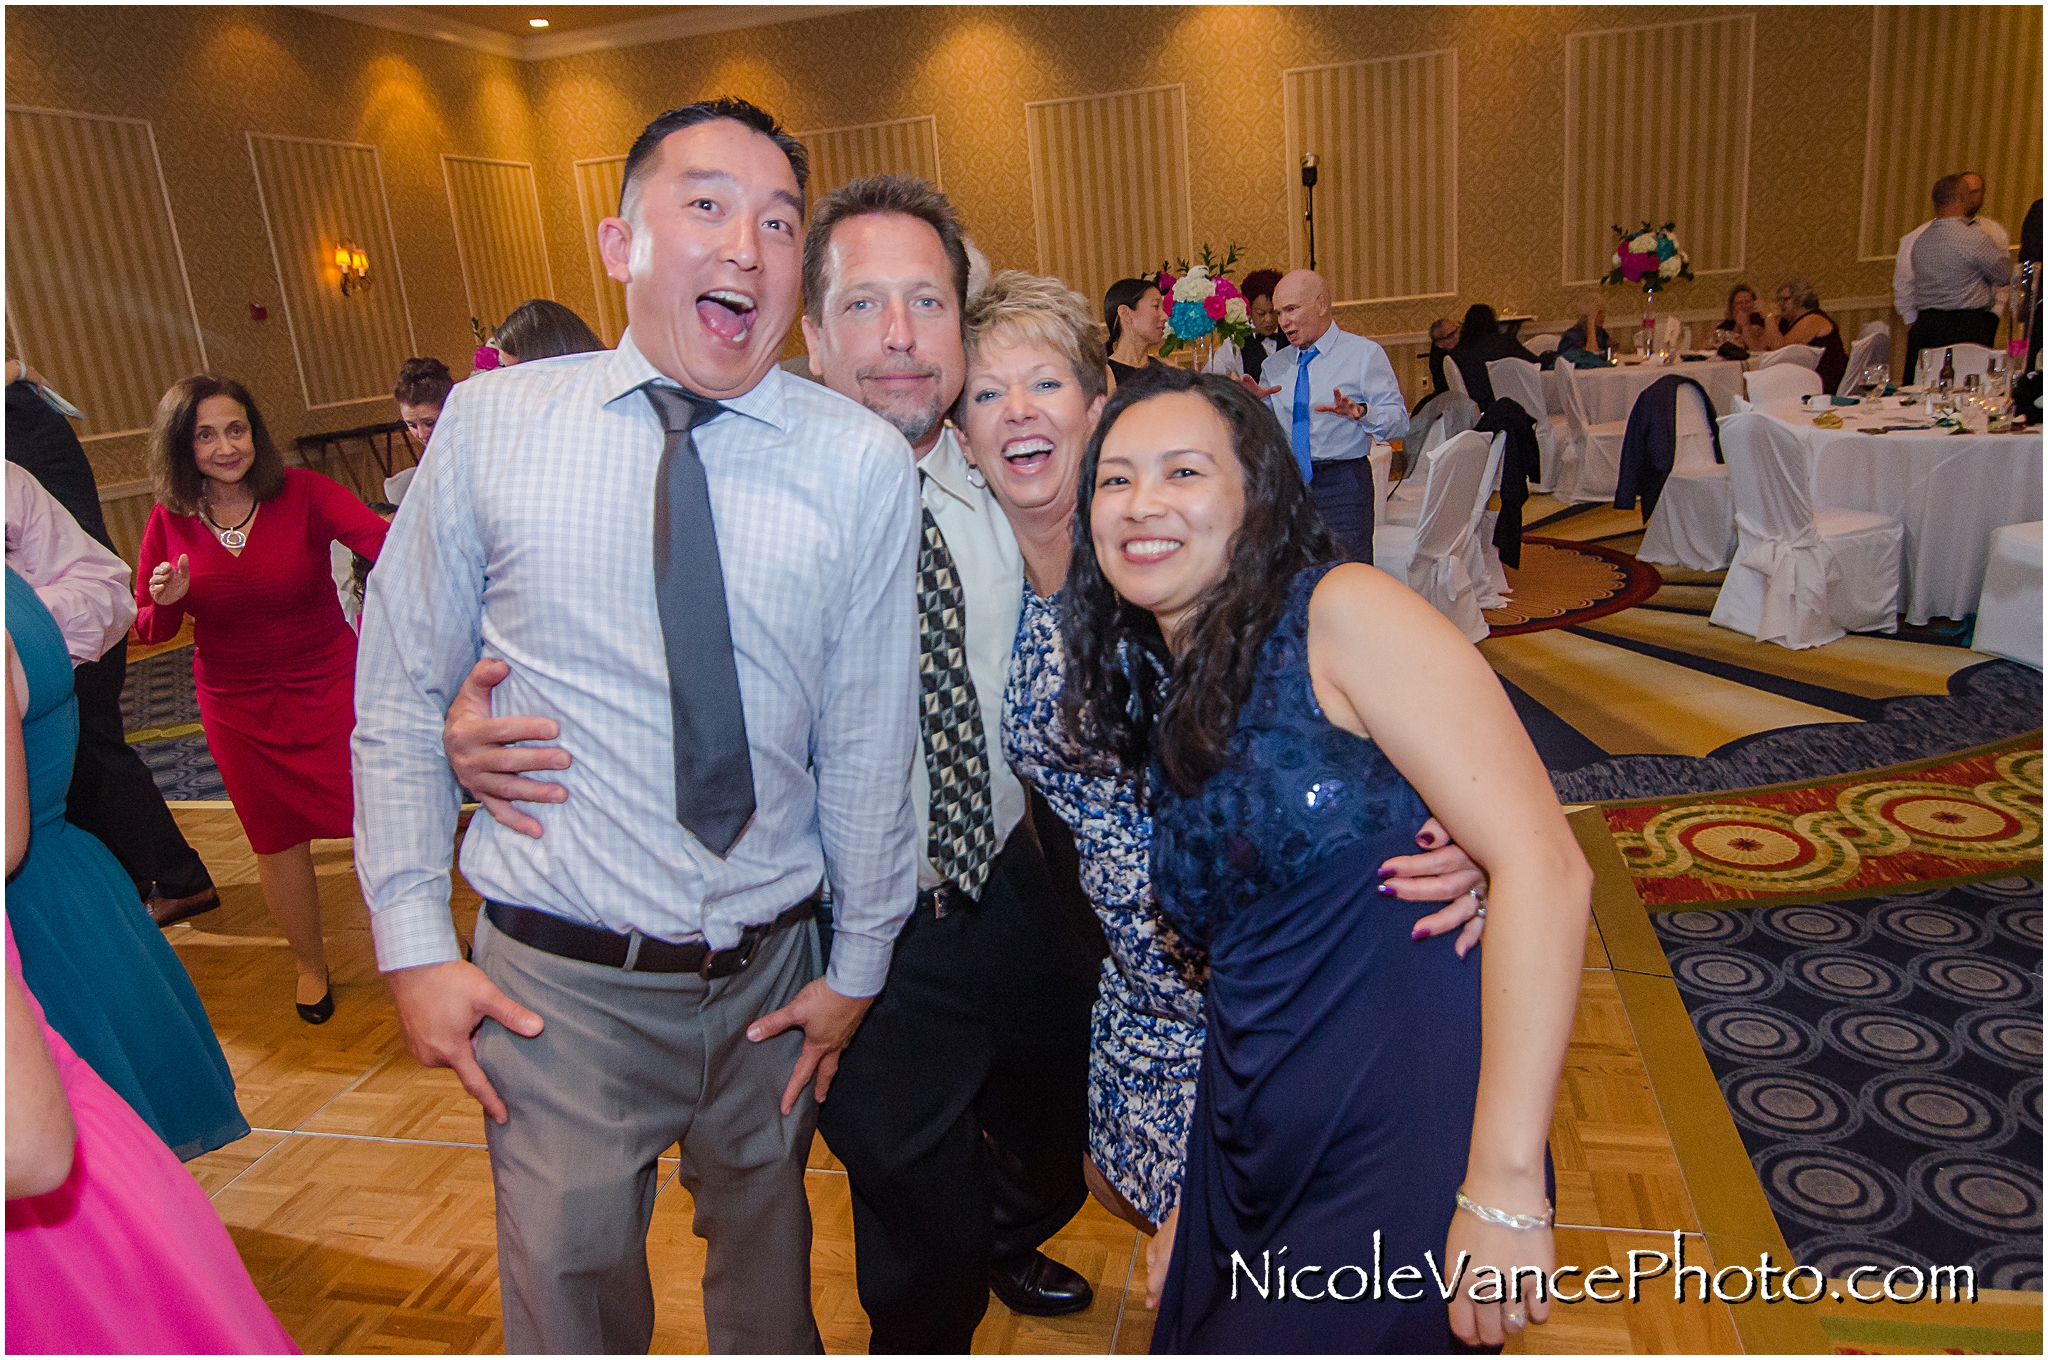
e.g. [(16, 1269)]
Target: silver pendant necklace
[(234, 540)]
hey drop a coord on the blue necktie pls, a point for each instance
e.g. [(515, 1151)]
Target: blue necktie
[(1301, 414)]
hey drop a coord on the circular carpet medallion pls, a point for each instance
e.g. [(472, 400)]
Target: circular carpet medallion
[(1561, 583)]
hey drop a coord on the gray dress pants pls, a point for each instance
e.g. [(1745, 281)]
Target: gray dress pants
[(628, 1064)]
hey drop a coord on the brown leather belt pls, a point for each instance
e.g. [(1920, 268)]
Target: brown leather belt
[(637, 953)]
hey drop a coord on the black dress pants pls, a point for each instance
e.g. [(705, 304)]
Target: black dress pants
[(1940, 329), (114, 797), (1343, 492), (961, 1107)]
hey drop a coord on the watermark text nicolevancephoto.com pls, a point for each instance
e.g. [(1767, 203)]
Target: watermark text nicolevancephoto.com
[(1274, 1278)]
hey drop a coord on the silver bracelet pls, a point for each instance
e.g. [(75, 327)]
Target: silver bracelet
[(1501, 1218)]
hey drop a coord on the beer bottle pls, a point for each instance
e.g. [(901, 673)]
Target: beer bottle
[(1947, 381)]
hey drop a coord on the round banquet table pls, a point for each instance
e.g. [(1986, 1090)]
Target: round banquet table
[(1950, 491), (1608, 393)]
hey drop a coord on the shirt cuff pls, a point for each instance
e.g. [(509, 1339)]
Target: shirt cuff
[(860, 964), (412, 934)]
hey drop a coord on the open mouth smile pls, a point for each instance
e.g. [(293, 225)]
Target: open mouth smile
[(1144, 551), (728, 315), (1028, 455)]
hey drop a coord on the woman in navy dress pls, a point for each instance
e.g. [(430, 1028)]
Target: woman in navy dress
[(1366, 1099)]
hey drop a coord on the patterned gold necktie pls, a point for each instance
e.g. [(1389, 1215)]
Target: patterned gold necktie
[(963, 825)]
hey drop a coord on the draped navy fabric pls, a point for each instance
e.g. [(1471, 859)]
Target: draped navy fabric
[(1650, 443), (1335, 1101), (1342, 1058)]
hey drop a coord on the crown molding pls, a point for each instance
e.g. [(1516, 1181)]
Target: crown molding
[(541, 46)]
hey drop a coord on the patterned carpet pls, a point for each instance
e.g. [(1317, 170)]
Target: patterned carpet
[(160, 714), (1882, 1059), (1561, 583), (1970, 816)]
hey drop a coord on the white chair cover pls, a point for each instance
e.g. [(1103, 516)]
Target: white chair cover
[(1454, 378), (1694, 523), (1542, 344), (1381, 460), (1482, 559), (1593, 468), (2009, 610), (1871, 328), (1969, 358), (1429, 556), (1804, 356), (1783, 383), (1874, 348), (1522, 383), (1800, 578)]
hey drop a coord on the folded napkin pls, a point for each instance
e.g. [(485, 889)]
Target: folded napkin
[(1827, 420)]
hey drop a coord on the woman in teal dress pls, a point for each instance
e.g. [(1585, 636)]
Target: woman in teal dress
[(89, 952)]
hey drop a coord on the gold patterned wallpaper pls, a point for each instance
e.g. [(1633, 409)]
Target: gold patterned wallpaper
[(205, 77)]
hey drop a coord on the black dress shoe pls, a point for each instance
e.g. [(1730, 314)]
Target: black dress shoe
[(320, 1011), (168, 911), (1039, 1286)]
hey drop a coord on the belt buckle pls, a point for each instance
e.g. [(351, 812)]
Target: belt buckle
[(724, 963)]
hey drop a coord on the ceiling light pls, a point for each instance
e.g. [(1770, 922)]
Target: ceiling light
[(537, 23)]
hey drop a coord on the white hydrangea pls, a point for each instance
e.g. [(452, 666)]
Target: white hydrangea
[(1194, 286), (1668, 269), (1646, 244), (1235, 312)]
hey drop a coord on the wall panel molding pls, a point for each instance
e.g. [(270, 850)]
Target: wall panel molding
[(1952, 88), (1110, 192), (1386, 133), (98, 297), (598, 182), (1657, 126), (498, 236), (902, 146), (314, 194)]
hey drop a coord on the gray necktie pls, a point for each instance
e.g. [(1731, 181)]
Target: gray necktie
[(714, 772), (962, 844)]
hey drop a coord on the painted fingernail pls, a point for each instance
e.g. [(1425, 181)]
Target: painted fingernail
[(1385, 890), (1386, 871), (1420, 934)]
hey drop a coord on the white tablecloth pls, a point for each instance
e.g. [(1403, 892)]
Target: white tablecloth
[(1950, 491), (1608, 393)]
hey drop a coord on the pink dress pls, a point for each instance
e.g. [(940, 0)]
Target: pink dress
[(127, 1256)]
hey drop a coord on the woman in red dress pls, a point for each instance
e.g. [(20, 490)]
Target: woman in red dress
[(239, 541)]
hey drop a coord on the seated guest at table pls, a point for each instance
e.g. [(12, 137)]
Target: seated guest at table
[(1136, 317), (1590, 331), (1800, 321), (1742, 310), (1480, 341), (239, 542), (1957, 270), (1266, 339), (544, 329)]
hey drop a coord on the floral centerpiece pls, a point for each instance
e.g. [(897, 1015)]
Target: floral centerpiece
[(487, 355), (1649, 256), (1203, 307)]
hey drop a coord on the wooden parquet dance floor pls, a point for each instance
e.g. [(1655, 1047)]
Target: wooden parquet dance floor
[(362, 1203)]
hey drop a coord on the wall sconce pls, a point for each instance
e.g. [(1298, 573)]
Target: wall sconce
[(354, 265)]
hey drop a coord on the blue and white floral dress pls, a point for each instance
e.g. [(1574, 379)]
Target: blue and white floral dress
[(1146, 1033)]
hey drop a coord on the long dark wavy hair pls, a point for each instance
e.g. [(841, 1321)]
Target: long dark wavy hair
[(1121, 684)]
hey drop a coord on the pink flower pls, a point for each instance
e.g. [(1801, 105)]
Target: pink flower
[(1166, 282), (1226, 290), (1634, 265), (1214, 305), (486, 356)]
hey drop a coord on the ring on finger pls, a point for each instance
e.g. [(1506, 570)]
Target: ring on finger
[(1512, 1319), (1478, 902)]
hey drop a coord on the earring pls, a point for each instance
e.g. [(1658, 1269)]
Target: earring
[(974, 477)]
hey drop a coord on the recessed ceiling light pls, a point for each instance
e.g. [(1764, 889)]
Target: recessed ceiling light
[(537, 23)]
